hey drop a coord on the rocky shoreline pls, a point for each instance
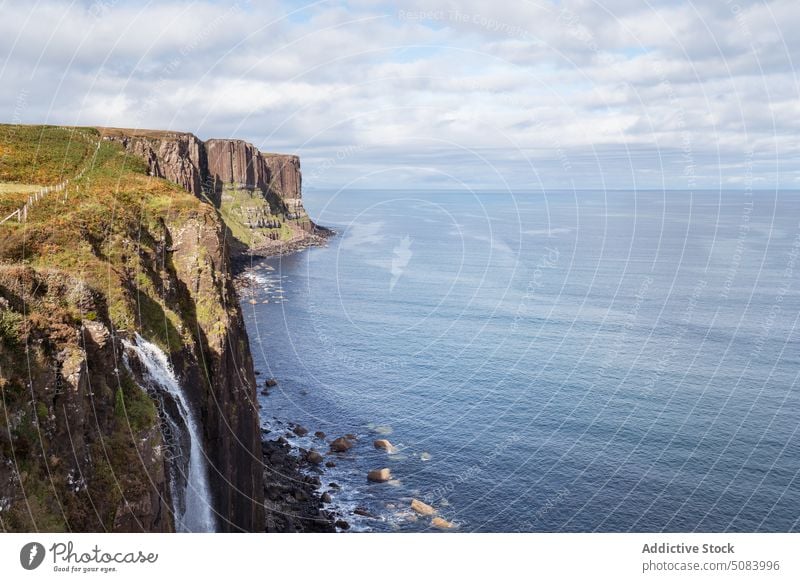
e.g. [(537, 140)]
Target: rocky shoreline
[(293, 501), (243, 260), (297, 496)]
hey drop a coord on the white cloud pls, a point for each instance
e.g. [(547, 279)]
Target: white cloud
[(579, 92)]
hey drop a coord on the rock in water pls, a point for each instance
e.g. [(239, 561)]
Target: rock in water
[(300, 430), (385, 445), (319, 434), (270, 382), (379, 475), (314, 457), (422, 508), (341, 445), (441, 523)]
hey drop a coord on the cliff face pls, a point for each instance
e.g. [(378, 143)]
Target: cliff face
[(259, 195), (83, 446), (220, 371), (64, 445), (177, 157)]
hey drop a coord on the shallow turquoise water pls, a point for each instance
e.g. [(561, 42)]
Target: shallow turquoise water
[(590, 361)]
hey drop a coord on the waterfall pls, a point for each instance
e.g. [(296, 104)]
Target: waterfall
[(189, 486)]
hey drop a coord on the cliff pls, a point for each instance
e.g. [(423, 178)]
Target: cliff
[(175, 156), (259, 195), (134, 246)]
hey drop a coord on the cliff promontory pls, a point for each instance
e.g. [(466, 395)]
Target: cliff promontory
[(258, 194)]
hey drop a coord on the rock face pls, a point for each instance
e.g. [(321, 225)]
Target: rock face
[(175, 156), (233, 161), (80, 449), (259, 195), (219, 368)]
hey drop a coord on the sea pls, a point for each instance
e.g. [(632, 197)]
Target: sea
[(544, 361)]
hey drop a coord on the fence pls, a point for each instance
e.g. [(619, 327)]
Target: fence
[(21, 213)]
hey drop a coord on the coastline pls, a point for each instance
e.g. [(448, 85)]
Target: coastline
[(343, 481), (243, 259), (295, 499)]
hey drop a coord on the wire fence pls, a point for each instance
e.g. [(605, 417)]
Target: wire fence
[(21, 213)]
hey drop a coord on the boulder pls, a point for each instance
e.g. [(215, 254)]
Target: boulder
[(342, 524), (363, 511), (330, 464), (319, 434), (270, 382), (422, 508), (379, 475), (385, 445), (441, 523), (325, 497), (300, 430), (341, 445), (314, 457)]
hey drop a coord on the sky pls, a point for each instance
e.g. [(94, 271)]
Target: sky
[(517, 95)]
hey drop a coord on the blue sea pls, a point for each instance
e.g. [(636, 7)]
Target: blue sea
[(545, 361)]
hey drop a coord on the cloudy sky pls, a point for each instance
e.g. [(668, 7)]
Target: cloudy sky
[(523, 94)]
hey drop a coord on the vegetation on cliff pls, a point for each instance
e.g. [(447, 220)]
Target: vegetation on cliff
[(118, 251)]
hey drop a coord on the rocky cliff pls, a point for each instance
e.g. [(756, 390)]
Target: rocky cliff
[(259, 195), (83, 445), (175, 156)]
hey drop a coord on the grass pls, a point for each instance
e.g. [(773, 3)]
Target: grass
[(234, 210), (42, 154), (32, 157), (12, 188)]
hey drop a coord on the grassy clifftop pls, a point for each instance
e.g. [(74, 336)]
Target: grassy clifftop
[(42, 154), (107, 230)]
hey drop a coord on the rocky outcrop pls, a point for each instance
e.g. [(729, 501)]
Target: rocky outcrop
[(341, 445), (175, 156), (236, 162), (258, 194), (383, 444)]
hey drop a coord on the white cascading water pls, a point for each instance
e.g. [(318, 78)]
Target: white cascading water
[(192, 502)]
